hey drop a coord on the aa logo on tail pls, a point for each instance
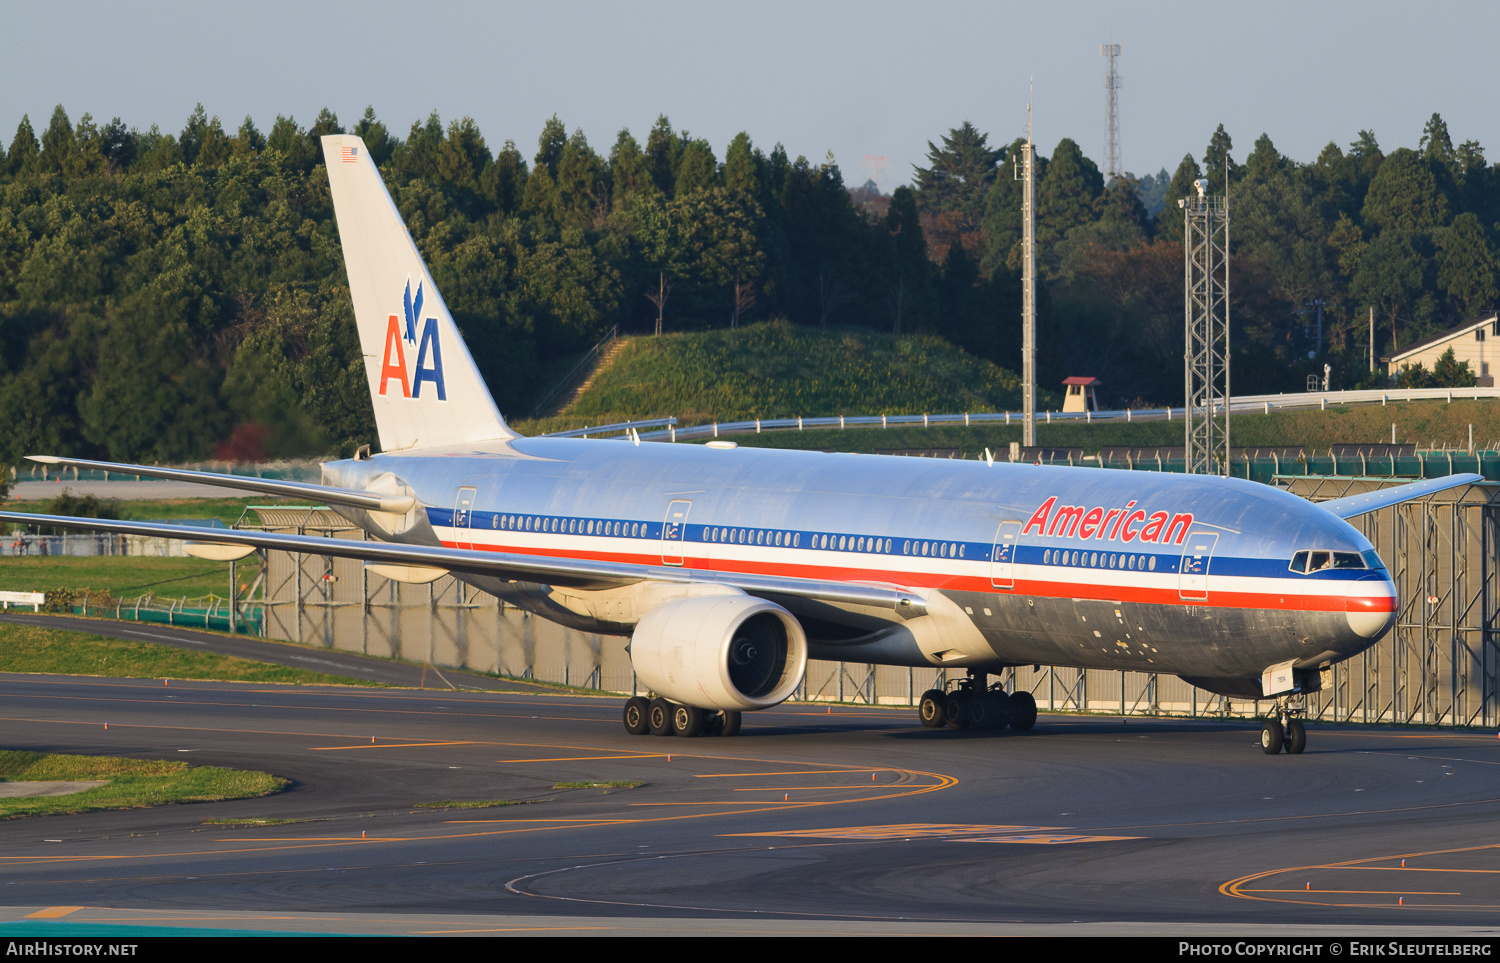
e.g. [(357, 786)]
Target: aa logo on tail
[(393, 364)]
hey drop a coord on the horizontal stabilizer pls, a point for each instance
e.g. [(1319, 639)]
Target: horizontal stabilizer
[(545, 569), (370, 501), (1352, 505)]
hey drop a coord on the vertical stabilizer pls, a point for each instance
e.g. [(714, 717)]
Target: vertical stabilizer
[(424, 385)]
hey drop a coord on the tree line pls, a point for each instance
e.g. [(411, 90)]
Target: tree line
[(171, 296)]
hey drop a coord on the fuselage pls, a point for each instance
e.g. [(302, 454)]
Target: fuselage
[(1019, 564)]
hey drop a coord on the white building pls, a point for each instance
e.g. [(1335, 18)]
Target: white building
[(1477, 342)]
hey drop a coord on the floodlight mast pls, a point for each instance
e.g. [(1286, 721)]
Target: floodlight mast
[(1028, 287), (1205, 225)]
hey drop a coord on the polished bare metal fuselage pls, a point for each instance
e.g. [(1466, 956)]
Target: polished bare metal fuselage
[(1111, 599)]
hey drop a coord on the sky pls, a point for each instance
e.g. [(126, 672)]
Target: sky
[(871, 82)]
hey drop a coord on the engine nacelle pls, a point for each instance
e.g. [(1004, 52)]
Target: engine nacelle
[(720, 652)]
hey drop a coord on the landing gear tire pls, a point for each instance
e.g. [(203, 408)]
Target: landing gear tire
[(990, 710), (932, 709), (687, 721), (1296, 736), (637, 721), (730, 725), (957, 710), (1022, 711), (1272, 735), (659, 717)]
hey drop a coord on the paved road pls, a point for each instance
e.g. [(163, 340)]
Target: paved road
[(333, 661), (857, 821)]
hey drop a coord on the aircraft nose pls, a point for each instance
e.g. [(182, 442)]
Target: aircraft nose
[(1370, 605)]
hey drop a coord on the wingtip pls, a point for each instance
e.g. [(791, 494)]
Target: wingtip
[(44, 459)]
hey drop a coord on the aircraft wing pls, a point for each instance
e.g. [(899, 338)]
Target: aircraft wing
[(505, 565), (1352, 505), (370, 501)]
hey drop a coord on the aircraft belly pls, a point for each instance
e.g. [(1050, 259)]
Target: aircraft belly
[(1187, 639)]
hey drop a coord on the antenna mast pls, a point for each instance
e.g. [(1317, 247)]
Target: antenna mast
[(1111, 111)]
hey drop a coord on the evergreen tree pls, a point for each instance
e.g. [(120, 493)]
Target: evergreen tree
[(549, 146), (191, 138), (1404, 195), (661, 155), (1065, 195), (582, 183), (1002, 212), (290, 141), (59, 152), (24, 150), (627, 167), (958, 175), (215, 147), (248, 140), (1449, 372), (697, 169), (742, 167), (1435, 145), (1467, 268), (378, 141), (504, 182), (908, 272), (1219, 165)]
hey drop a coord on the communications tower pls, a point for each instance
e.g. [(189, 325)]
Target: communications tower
[(1111, 111)]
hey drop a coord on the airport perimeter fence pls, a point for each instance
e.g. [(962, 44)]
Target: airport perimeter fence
[(1439, 666)]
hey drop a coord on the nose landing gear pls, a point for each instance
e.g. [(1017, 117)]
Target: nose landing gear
[(1285, 730)]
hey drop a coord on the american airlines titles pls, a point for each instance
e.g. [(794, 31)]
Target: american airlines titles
[(1125, 524)]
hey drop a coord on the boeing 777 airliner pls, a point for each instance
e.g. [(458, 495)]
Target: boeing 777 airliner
[(728, 568)]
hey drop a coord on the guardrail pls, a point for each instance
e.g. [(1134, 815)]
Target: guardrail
[(1243, 404)]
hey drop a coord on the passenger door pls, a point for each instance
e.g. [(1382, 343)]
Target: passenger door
[(463, 514), (1192, 574), (1003, 555), (673, 531)]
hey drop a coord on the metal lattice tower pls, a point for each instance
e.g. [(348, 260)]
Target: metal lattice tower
[(1027, 174), (1111, 111), (1206, 299)]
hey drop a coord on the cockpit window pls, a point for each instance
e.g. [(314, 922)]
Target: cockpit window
[(1372, 560), (1316, 560)]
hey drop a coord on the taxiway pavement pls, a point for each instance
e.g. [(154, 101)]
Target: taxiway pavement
[(854, 820)]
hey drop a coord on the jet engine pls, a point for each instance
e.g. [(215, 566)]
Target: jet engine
[(728, 652)]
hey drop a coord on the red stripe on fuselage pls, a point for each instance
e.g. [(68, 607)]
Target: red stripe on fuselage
[(1041, 588)]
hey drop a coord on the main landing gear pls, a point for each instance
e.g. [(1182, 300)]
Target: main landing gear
[(1285, 730), (662, 717), (973, 704)]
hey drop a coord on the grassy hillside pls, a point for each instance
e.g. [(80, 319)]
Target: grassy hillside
[(776, 370)]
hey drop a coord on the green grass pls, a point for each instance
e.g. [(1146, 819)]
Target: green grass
[(133, 783), (26, 648), (1426, 424), (775, 370), (253, 822), (123, 576), (598, 784)]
